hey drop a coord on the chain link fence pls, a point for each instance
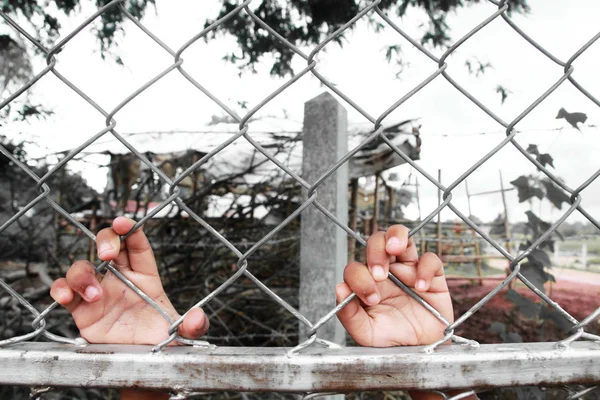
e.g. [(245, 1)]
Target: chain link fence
[(307, 367)]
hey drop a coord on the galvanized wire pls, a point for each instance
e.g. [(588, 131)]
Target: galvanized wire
[(244, 266)]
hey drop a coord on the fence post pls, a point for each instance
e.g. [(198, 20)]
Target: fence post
[(439, 218), (583, 257), (353, 218), (323, 245)]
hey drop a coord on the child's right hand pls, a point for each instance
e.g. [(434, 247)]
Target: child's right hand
[(383, 315)]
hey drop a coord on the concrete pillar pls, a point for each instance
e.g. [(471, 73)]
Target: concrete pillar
[(324, 246)]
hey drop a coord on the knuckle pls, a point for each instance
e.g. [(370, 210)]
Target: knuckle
[(139, 249), (376, 237), (398, 230), (353, 270), (78, 269), (353, 266), (354, 314), (376, 248), (81, 264)]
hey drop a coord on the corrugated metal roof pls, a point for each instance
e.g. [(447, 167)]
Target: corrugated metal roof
[(281, 137)]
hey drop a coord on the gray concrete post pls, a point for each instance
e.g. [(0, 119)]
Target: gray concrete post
[(323, 246)]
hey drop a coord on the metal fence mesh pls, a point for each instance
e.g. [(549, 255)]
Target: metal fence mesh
[(244, 267)]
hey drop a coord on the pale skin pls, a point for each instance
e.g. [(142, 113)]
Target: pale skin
[(106, 311)]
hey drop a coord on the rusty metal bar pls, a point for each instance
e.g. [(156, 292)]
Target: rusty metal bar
[(314, 370)]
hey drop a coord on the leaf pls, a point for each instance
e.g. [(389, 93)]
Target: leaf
[(498, 226), (535, 274), (556, 195), (507, 337), (539, 226), (560, 236), (504, 92), (536, 224), (525, 191), (521, 181), (524, 246), (549, 244), (545, 159), (478, 68), (526, 306), (556, 317), (469, 66), (497, 328), (541, 257), (513, 337), (391, 51), (533, 149)]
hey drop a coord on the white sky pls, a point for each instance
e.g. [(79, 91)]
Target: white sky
[(450, 122)]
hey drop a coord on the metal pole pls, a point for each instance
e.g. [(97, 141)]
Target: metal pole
[(468, 197)]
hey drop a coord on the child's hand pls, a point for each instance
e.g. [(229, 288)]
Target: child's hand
[(107, 311), (385, 315)]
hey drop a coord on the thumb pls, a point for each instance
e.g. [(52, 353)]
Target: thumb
[(194, 325), (353, 317)]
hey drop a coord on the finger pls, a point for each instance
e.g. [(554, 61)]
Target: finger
[(400, 245), (194, 325), (429, 266), (108, 243), (353, 316), (136, 252), (62, 293), (81, 278), (377, 258), (360, 281), (408, 275)]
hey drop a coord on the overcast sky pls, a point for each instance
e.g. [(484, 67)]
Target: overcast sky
[(452, 126)]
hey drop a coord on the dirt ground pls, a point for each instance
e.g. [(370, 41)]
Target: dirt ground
[(578, 292)]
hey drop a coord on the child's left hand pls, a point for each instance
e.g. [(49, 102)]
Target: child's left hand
[(106, 310)]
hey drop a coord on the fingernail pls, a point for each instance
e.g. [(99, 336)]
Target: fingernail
[(378, 272), (421, 285), (373, 299), (104, 247), (91, 293), (394, 245)]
